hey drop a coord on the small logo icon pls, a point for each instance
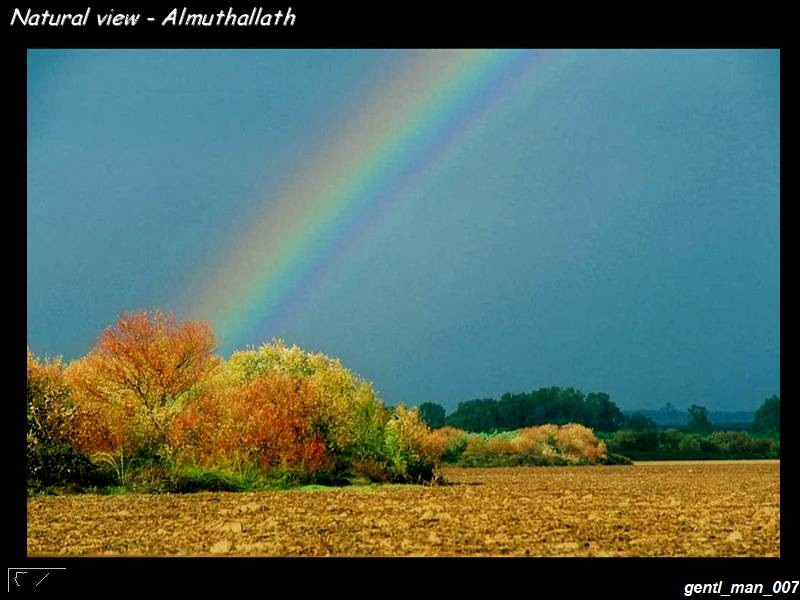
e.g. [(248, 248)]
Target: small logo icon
[(32, 578)]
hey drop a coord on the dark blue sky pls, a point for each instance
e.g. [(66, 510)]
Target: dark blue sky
[(617, 232)]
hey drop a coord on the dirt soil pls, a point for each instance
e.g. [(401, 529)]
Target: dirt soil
[(669, 509)]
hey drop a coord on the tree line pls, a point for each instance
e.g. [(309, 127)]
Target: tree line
[(515, 411), (556, 405)]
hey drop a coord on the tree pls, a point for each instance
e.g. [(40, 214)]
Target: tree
[(512, 411), (140, 374), (410, 456), (601, 414), (639, 422), (433, 414), (351, 416), (270, 420), (50, 458), (475, 415), (767, 419), (698, 420), (47, 397)]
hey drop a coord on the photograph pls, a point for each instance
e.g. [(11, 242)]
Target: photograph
[(398, 302)]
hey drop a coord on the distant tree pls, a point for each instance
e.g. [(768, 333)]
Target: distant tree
[(689, 447), (432, 414), (669, 442), (638, 422), (767, 419), (601, 414), (568, 406), (513, 410), (698, 420), (553, 405), (475, 415)]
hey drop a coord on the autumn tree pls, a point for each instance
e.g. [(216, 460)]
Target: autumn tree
[(269, 421), (51, 460), (351, 418), (411, 455), (140, 374), (47, 394)]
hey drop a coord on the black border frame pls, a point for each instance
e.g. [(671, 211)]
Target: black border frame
[(329, 24)]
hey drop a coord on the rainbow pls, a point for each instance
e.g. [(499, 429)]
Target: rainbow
[(417, 115)]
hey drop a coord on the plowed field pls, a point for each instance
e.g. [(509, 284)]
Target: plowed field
[(656, 509)]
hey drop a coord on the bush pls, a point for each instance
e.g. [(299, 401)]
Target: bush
[(55, 465), (189, 479), (689, 446), (578, 444), (569, 444), (347, 419), (449, 443), (775, 448), (632, 443), (672, 444), (269, 421), (409, 458), (51, 461)]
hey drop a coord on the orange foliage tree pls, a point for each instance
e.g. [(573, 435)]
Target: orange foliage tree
[(51, 459), (349, 417), (269, 421), (141, 373), (48, 398)]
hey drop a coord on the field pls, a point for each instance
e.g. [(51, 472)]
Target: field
[(648, 509)]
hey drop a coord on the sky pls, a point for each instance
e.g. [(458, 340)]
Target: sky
[(450, 224)]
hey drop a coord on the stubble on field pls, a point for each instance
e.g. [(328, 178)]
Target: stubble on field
[(667, 509)]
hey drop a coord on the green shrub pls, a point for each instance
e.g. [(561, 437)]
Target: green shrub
[(190, 479), (775, 448), (676, 445), (55, 465), (689, 447), (405, 447)]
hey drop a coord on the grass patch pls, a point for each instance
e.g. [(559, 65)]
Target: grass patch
[(189, 479), (316, 487), (110, 490)]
